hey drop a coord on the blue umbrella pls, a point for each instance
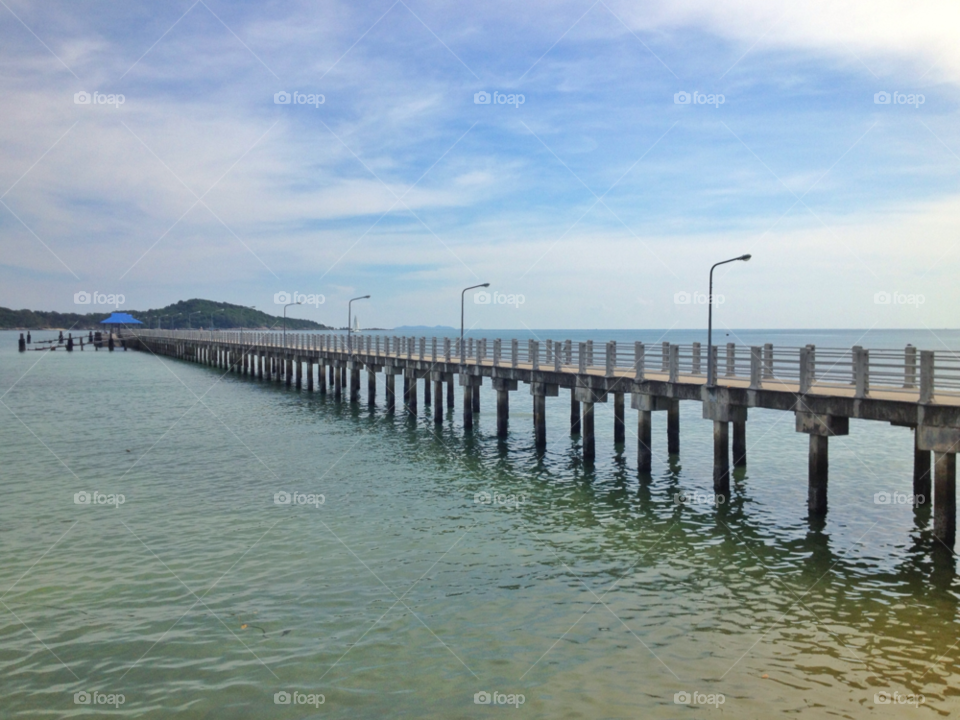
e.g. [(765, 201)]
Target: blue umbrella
[(119, 318)]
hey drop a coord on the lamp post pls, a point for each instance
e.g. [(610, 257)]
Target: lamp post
[(711, 370), (472, 287), (190, 315), (350, 320), (212, 313), (285, 322)]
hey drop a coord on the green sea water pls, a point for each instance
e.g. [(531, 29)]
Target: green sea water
[(584, 591)]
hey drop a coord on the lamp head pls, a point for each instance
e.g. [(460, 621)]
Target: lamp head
[(485, 285), (746, 257)]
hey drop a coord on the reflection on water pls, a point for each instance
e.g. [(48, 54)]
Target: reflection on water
[(594, 592)]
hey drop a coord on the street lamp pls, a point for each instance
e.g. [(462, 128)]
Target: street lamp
[(472, 287), (195, 312), (285, 322), (212, 313), (350, 320), (711, 370)]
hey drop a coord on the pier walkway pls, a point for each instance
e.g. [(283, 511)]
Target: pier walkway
[(823, 387)]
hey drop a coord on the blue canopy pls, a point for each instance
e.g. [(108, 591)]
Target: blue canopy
[(119, 318)]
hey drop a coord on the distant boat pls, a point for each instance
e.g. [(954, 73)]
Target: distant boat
[(356, 325)]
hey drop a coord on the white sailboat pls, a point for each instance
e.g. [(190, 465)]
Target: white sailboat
[(356, 324)]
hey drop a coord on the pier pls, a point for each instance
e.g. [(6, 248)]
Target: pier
[(823, 387)]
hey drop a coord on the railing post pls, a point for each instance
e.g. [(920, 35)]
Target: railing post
[(514, 352), (731, 360), (861, 364), (433, 349), (768, 361), (583, 358), (665, 357), (589, 353), (556, 357), (804, 370), (611, 358), (496, 352), (548, 353), (756, 381), (910, 367), (535, 354), (674, 363), (638, 359), (926, 376), (712, 362), (423, 347), (696, 358), (446, 349), (568, 352), (812, 363)]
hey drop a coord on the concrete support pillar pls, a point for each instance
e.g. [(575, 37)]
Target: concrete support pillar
[(438, 405), (739, 444), (644, 437), (330, 372), (343, 374), (451, 403), (413, 395), (288, 371), (406, 391), (426, 392), (371, 385), (467, 406), (299, 372), (539, 421), (322, 377), (337, 381), (503, 412), (589, 441), (268, 369), (673, 428), (721, 459), (476, 396), (574, 413), (818, 465), (820, 428), (391, 391), (310, 375), (921, 472), (945, 497), (619, 429), (260, 367), (355, 383)]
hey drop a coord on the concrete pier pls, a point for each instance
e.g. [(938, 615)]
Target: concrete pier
[(824, 388)]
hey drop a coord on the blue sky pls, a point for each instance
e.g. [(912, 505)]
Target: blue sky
[(599, 199)]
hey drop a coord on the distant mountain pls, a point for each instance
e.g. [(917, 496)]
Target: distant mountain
[(195, 313)]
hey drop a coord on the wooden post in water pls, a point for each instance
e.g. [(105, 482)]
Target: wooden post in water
[(539, 420), (818, 466)]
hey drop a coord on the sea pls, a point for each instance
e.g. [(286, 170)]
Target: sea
[(176, 541)]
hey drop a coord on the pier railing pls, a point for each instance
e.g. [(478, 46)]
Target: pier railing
[(907, 373)]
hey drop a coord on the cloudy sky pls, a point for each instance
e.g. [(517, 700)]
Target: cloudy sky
[(592, 190)]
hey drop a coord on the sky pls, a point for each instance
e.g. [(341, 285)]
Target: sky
[(587, 192)]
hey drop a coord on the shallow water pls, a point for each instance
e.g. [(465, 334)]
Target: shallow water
[(589, 590)]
